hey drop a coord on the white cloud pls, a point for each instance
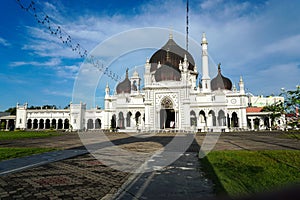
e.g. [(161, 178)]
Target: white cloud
[(271, 79), (209, 4), (4, 42), (50, 63), (67, 72), (58, 93), (285, 46)]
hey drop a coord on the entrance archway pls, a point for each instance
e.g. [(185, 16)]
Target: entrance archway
[(167, 114)]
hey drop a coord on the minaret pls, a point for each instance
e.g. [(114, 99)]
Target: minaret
[(107, 90), (147, 75), (241, 85), (205, 73)]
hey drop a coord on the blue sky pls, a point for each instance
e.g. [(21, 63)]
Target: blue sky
[(256, 39)]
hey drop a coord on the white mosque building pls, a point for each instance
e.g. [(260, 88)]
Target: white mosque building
[(170, 100)]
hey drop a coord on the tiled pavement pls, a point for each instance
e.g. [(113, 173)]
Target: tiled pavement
[(82, 177)]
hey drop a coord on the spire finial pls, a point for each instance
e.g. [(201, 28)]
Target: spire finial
[(204, 40), (171, 33), (241, 79), (219, 67), (127, 73), (185, 58)]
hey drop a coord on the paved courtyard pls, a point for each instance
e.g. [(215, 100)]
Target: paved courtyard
[(84, 177)]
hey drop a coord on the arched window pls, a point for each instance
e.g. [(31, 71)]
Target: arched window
[(193, 117), (35, 123), (121, 121), (138, 117), (113, 121), (41, 124), (53, 123), (47, 123), (90, 124), (221, 118), (29, 123), (128, 118), (202, 117), (213, 117), (166, 103), (97, 123), (66, 124), (60, 124), (234, 120)]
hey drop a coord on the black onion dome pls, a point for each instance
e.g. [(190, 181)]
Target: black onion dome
[(221, 82), (124, 86), (167, 72), (171, 52)]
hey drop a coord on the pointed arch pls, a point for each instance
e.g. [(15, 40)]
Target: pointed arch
[(66, 124), (60, 124), (221, 118), (128, 118), (97, 123), (29, 123), (193, 118), (47, 124), (90, 124), (113, 121), (234, 120), (121, 121), (212, 117), (138, 117), (166, 103), (202, 117)]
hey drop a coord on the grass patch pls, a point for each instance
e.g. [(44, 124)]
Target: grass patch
[(240, 173), (9, 153), (12, 135)]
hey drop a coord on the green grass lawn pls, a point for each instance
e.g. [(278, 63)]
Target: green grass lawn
[(239, 173), (11, 135), (16, 152)]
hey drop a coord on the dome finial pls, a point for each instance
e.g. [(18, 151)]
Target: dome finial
[(127, 73), (219, 68), (204, 40), (171, 33)]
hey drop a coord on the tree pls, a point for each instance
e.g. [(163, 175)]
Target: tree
[(276, 110), (292, 99), (12, 110)]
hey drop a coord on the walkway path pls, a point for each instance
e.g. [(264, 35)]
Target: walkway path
[(183, 179)]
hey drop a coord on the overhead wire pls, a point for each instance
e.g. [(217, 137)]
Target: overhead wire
[(42, 18)]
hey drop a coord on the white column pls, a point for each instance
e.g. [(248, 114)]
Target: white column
[(252, 124), (7, 124), (44, 124)]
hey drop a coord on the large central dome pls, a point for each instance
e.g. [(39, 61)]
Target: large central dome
[(171, 54)]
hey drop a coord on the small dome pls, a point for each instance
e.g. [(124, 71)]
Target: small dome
[(221, 82), (124, 86), (135, 74), (167, 72), (172, 53)]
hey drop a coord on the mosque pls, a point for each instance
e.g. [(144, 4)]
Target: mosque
[(170, 100)]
